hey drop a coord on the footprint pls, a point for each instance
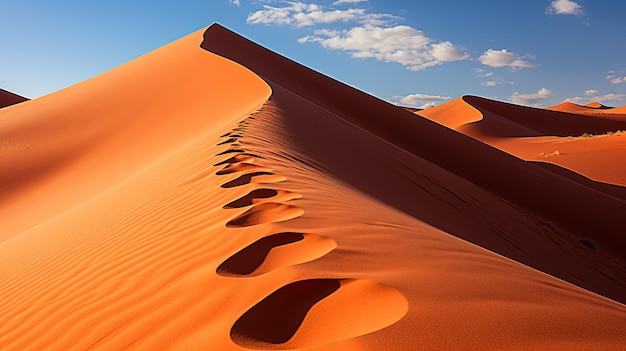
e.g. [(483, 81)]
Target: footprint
[(229, 152), (228, 141), (243, 158), (258, 177), (315, 312), (257, 196), (267, 212), (276, 251), (241, 167)]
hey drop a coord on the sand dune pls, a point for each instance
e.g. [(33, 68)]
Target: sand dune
[(8, 98), (597, 105), (592, 109), (215, 195), (586, 144)]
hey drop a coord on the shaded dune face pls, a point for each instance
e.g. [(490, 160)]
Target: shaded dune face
[(546, 202)]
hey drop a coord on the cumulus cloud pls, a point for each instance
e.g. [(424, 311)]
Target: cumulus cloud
[(339, 2), (616, 80), (490, 83), (591, 92), (416, 99), (299, 14), (236, 2), (530, 99), (598, 98), (565, 7), (503, 58), (401, 44)]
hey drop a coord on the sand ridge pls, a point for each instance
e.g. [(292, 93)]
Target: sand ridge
[(8, 98)]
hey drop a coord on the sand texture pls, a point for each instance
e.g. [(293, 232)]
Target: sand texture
[(214, 195)]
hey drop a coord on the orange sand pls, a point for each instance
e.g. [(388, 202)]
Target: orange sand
[(187, 202)]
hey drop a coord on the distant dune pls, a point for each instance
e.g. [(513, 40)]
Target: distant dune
[(215, 195), (597, 105), (587, 144), (8, 98), (594, 109)]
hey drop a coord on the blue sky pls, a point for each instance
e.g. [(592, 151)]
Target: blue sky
[(417, 53)]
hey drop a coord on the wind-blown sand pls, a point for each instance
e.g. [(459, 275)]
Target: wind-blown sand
[(215, 195)]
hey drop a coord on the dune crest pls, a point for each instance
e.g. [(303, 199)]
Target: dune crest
[(138, 112), (8, 98)]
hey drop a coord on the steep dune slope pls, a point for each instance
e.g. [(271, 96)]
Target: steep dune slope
[(457, 154), (323, 220), (75, 143)]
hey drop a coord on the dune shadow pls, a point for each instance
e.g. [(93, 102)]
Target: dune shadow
[(276, 318)]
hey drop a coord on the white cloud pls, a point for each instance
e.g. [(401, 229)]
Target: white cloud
[(236, 2), (299, 14), (489, 83), (530, 99), (414, 99), (617, 80), (565, 7), (591, 92), (503, 58), (339, 2), (401, 44), (598, 98), (483, 73)]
